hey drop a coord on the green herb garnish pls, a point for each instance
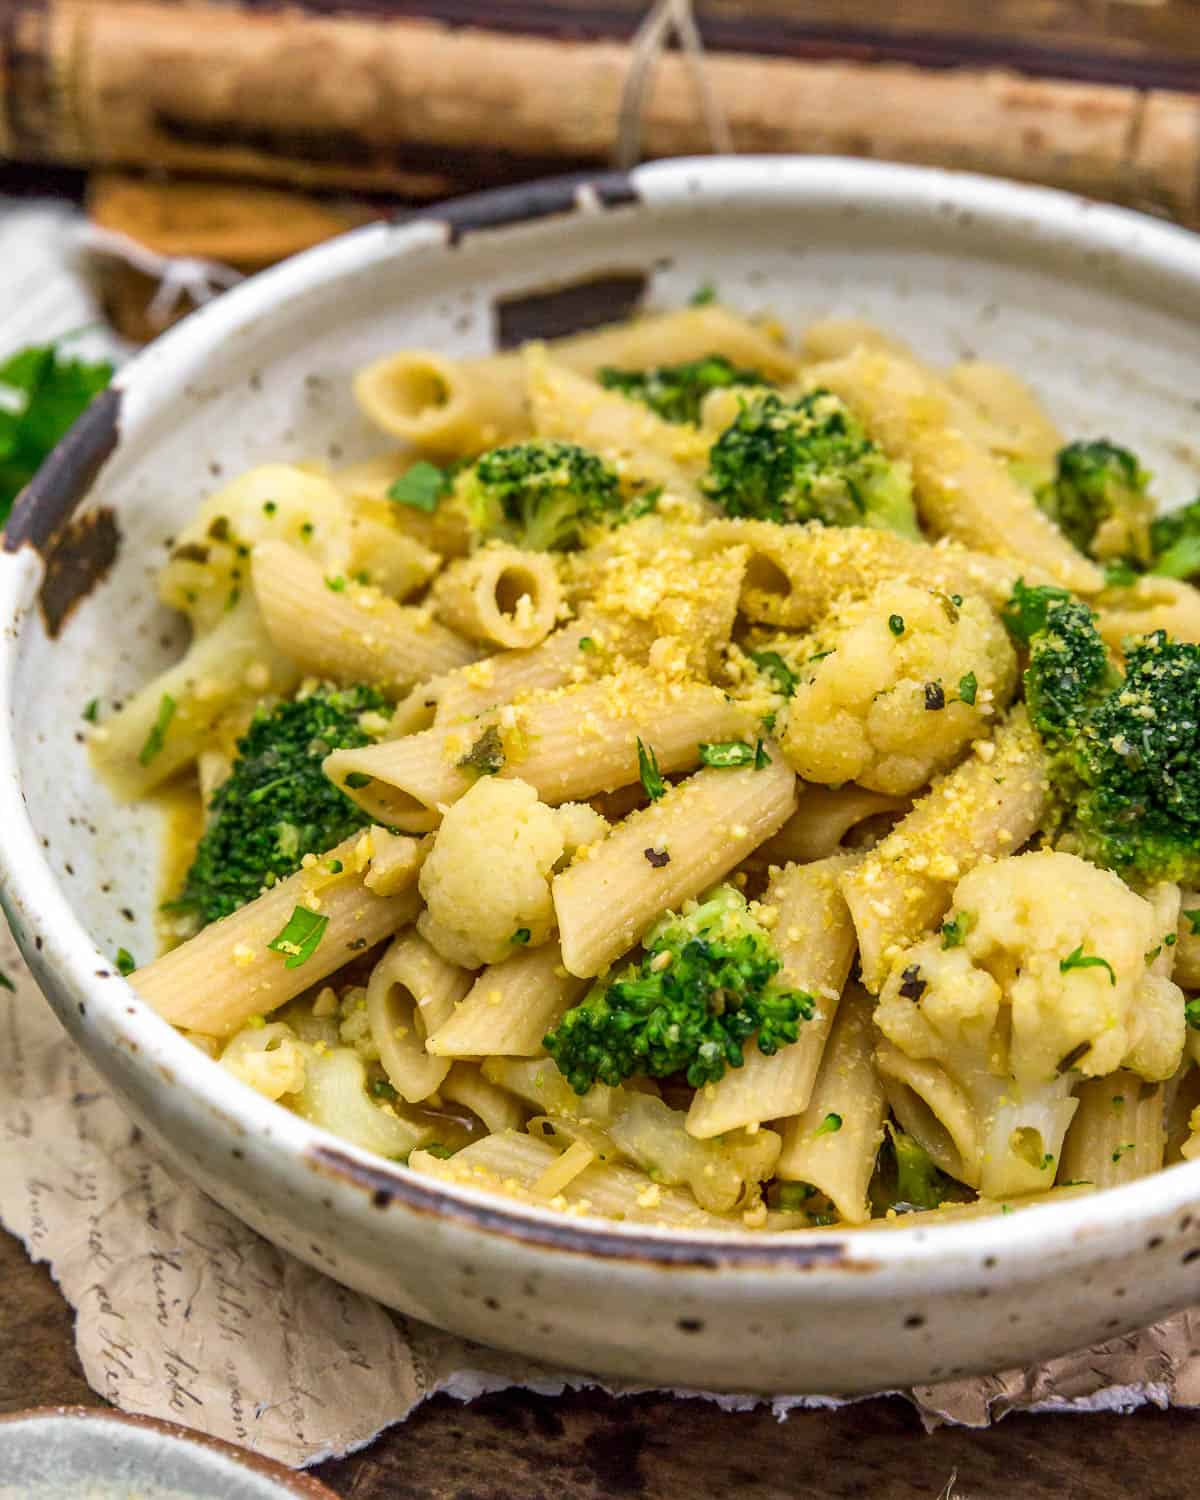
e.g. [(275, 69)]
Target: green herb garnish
[(1079, 960), (422, 487), (301, 937), (648, 773), (158, 733)]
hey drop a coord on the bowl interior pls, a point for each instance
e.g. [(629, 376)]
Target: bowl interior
[(1098, 310)]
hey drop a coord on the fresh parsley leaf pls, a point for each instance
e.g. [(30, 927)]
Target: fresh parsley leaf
[(830, 1125), (704, 295), (486, 755), (1079, 960), (157, 737), (761, 759), (1119, 575), (301, 937), (727, 753), (435, 1148), (896, 624), (774, 666), (6, 983), (382, 1089), (336, 585), (954, 932), (968, 689), (125, 961), (46, 393), (587, 645), (1191, 1014), (648, 772), (1193, 917), (422, 487), (92, 712), (522, 935)]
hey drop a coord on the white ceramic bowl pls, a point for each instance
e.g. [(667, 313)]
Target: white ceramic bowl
[(1100, 308)]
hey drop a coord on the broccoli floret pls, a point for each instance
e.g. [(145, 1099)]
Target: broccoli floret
[(676, 392), (1099, 501), (277, 805), (538, 494), (1069, 668), (704, 987), (1124, 753), (1175, 542), (1138, 759), (808, 460)]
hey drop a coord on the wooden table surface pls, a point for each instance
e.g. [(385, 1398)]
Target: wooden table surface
[(590, 1447)]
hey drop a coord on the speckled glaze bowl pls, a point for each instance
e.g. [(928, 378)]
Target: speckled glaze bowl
[(1100, 309)]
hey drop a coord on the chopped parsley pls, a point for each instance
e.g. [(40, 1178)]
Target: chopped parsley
[(158, 733), (336, 585), (422, 487), (301, 937), (522, 935), (587, 645), (774, 666), (761, 759), (648, 773), (896, 624), (1193, 918), (92, 712), (704, 295), (384, 1090), (727, 753), (955, 931), (486, 755), (125, 961), (1080, 960), (1191, 1014), (1124, 1150), (968, 689), (830, 1125)]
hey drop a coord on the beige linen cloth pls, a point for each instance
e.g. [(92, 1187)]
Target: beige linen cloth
[(184, 1313)]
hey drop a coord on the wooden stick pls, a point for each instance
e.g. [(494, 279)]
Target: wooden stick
[(394, 105)]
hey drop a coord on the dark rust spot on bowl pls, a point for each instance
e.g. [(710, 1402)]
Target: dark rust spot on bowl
[(552, 312), (79, 558), (48, 502)]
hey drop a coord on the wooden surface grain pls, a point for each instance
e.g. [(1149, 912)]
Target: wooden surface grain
[(516, 1446)]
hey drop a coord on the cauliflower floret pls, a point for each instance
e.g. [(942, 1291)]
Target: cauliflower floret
[(269, 1058), (209, 566), (580, 826), (907, 680), (1041, 976), (502, 828)]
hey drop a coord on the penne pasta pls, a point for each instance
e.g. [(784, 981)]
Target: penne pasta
[(1118, 1133), (509, 1008), (824, 816), (707, 825), (987, 806), (214, 982), (833, 1144), (411, 992), (568, 745), (352, 634), (962, 491), (814, 938), (501, 596)]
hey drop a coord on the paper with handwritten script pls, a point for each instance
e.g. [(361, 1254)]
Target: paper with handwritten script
[(184, 1313)]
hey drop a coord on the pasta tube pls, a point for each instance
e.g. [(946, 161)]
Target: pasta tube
[(355, 634), (834, 1143), (1117, 1134), (500, 595), (568, 745), (987, 806), (509, 1008), (411, 992), (961, 490), (824, 816), (814, 938), (217, 980), (706, 825)]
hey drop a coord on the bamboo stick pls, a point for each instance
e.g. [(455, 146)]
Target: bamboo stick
[(384, 104)]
